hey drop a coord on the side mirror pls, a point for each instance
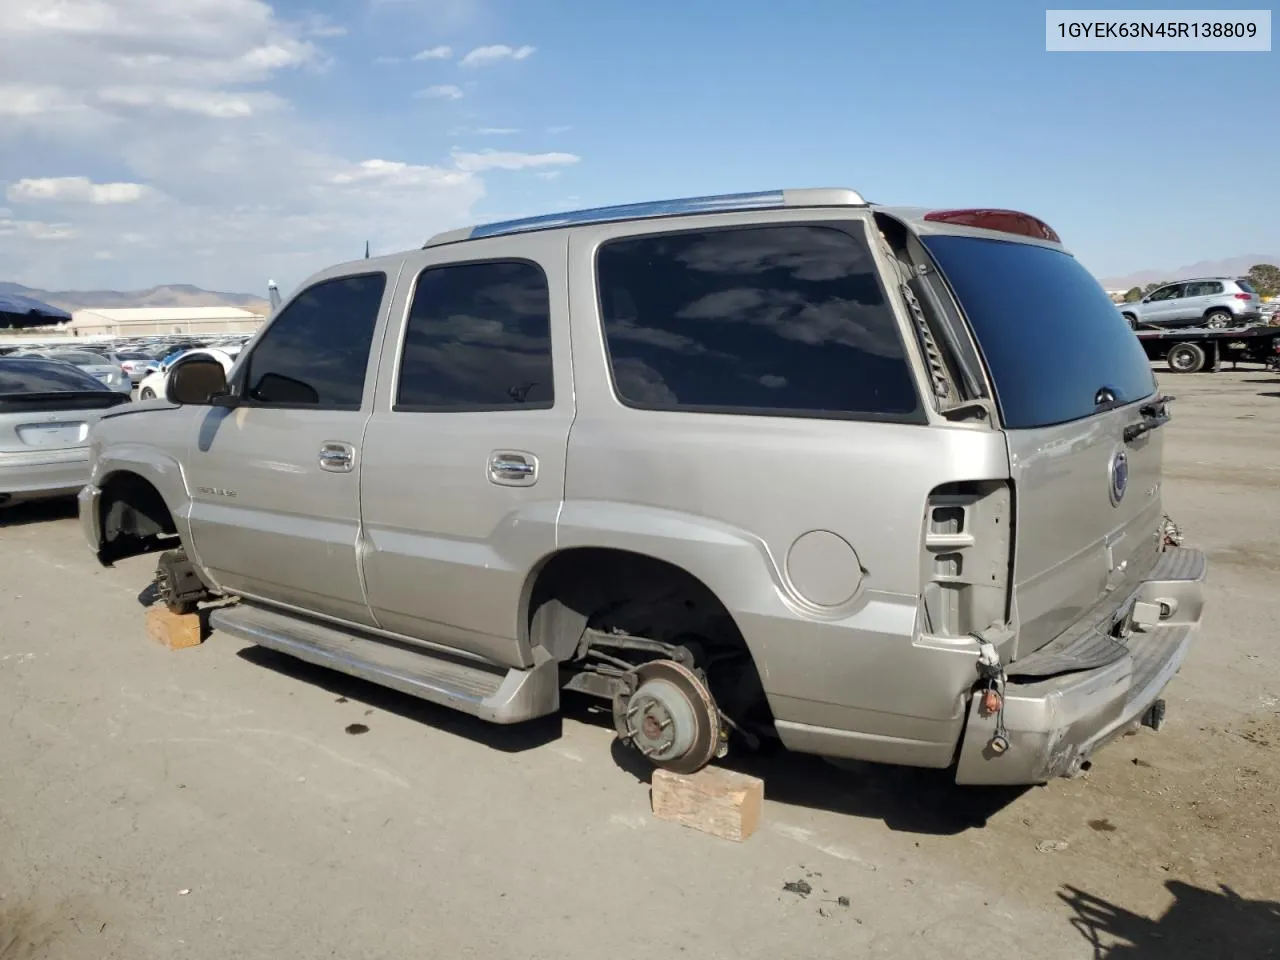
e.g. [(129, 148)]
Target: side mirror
[(196, 382)]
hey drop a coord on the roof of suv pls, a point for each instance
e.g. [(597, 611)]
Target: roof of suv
[(763, 200)]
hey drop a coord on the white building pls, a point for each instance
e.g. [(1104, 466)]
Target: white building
[(153, 321)]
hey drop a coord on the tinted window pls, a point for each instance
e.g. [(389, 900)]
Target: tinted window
[(478, 338), (1203, 288), (1051, 336), (316, 351), (1246, 286), (81, 357), (772, 320), (41, 376), (1168, 293)]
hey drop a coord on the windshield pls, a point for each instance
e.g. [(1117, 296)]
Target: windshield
[(1050, 335), (21, 376)]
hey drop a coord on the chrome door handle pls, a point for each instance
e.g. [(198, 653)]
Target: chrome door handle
[(337, 457), (513, 468)]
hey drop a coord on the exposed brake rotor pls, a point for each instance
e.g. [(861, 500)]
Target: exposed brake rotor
[(670, 717)]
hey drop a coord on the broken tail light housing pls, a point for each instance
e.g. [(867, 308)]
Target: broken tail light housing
[(1004, 221)]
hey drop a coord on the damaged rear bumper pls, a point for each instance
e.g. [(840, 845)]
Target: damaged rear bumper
[(1053, 726)]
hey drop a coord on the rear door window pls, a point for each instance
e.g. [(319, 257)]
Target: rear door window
[(1050, 336), (786, 320), (478, 338)]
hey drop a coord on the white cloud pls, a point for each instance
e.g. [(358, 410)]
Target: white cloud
[(481, 56), (396, 173), (208, 103), (36, 230), (555, 130), (548, 174), (442, 91), (434, 53), (319, 25), (33, 100), (504, 160), (182, 96), (497, 131), (73, 190)]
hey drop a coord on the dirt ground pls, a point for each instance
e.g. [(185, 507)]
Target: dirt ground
[(225, 802)]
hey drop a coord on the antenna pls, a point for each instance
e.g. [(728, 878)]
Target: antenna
[(366, 249)]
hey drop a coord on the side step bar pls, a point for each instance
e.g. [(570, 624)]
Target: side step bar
[(491, 694)]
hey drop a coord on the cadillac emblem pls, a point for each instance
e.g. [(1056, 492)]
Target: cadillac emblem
[(1119, 471)]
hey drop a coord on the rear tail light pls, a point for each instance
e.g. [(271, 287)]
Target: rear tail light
[(965, 558), (1243, 296)]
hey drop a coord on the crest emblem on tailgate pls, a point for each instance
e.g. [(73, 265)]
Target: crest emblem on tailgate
[(1119, 476)]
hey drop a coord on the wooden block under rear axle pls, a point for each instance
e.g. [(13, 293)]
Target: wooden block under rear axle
[(720, 802), (177, 631)]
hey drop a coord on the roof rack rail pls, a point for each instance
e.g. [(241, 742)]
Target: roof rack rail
[(763, 200)]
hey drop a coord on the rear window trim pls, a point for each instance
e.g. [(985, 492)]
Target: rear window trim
[(918, 418)]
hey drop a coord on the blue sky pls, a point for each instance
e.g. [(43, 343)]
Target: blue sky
[(220, 141)]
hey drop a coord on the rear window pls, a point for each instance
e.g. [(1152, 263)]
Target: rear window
[(1050, 335), (785, 320), (82, 357), (1246, 286), (19, 377)]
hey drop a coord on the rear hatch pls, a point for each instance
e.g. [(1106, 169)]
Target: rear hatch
[(47, 407), (1070, 379)]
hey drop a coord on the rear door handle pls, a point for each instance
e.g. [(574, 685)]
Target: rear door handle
[(337, 457), (513, 468)]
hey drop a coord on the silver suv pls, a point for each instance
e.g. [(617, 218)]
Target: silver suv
[(1214, 302), (786, 465)]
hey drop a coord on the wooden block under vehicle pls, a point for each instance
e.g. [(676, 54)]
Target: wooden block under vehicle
[(720, 802), (177, 631)]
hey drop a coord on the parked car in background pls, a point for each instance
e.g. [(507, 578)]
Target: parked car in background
[(46, 410), (102, 369), (134, 364), (154, 383), (785, 465), (1214, 302)]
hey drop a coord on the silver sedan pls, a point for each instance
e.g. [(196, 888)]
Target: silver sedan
[(46, 410)]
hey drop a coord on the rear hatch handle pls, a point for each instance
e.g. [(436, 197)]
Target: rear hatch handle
[(1154, 414)]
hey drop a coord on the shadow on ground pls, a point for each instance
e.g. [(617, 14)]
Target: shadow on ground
[(1199, 925), (508, 739), (905, 799), (909, 800), (37, 511)]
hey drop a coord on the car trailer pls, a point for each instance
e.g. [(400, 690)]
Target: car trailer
[(1196, 349)]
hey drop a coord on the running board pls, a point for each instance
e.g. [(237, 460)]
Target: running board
[(489, 693)]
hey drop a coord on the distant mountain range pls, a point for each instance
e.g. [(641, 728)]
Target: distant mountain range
[(1230, 267), (168, 295)]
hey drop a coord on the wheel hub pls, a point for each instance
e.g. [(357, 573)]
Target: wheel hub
[(670, 718)]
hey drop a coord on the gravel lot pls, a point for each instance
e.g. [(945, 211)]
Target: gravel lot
[(211, 803)]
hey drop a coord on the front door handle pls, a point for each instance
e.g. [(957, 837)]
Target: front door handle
[(513, 468), (337, 457)]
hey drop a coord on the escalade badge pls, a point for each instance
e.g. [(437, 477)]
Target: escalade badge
[(1119, 476)]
